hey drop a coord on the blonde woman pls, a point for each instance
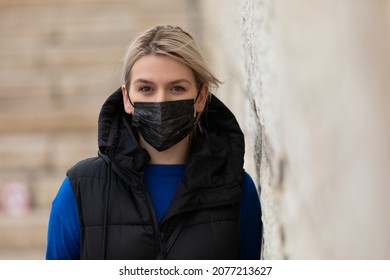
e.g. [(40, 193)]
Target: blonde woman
[(168, 182)]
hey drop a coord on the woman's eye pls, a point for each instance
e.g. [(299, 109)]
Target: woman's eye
[(178, 89), (145, 89)]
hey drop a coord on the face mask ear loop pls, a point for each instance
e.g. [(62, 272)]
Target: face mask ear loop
[(196, 99), (128, 96), (197, 114)]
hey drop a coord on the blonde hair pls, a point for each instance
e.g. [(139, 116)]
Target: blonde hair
[(173, 42)]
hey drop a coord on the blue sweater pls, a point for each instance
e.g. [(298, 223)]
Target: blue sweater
[(63, 240)]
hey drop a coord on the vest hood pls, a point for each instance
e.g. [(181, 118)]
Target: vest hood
[(116, 135)]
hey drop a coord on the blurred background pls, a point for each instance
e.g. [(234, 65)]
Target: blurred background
[(60, 60), (308, 81)]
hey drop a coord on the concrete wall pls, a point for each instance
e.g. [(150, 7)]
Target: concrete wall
[(309, 82)]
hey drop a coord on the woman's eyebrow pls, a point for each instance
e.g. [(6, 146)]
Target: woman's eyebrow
[(180, 81), (143, 81)]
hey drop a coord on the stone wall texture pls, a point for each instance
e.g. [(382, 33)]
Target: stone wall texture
[(310, 82)]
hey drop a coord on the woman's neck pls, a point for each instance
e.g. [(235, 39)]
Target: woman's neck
[(175, 155)]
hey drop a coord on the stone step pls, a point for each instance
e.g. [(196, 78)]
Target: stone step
[(62, 39), (23, 254), (88, 102), (51, 120), (51, 114), (45, 188), (24, 232), (59, 77), (71, 58), (84, 20), (42, 166), (53, 152), (40, 187), (65, 11)]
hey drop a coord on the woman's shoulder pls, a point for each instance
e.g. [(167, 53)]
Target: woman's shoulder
[(89, 167), (250, 194), (248, 183)]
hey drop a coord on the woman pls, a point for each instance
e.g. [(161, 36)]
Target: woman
[(168, 182)]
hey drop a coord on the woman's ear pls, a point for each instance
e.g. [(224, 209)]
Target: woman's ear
[(126, 101), (202, 98)]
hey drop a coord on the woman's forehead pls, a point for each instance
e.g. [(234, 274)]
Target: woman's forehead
[(160, 68)]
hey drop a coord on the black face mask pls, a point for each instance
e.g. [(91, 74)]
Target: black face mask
[(164, 124)]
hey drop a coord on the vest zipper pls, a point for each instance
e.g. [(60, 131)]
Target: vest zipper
[(163, 244), (159, 236), (163, 252)]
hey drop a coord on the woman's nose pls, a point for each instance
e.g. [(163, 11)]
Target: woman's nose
[(161, 96)]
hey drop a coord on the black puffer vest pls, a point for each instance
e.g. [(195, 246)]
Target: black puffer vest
[(116, 214)]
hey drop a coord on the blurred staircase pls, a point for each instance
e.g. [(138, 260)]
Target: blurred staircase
[(59, 61)]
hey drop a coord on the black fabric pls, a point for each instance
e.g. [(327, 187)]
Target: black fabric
[(116, 214), (164, 124)]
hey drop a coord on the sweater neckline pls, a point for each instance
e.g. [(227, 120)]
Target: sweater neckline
[(164, 169)]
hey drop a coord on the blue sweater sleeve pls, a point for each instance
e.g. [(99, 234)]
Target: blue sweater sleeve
[(63, 237), (251, 228)]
